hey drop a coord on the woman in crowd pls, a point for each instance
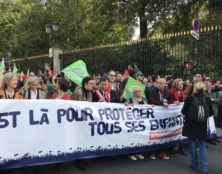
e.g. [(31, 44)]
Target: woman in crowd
[(177, 91), (9, 87), (34, 91), (61, 86), (86, 92), (137, 99), (178, 96), (197, 108)]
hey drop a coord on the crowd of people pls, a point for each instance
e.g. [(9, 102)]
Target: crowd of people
[(109, 87)]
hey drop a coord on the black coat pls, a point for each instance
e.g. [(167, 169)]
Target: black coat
[(154, 97), (192, 129)]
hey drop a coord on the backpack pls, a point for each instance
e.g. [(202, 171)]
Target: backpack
[(199, 110)]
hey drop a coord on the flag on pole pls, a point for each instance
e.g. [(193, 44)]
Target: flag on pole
[(76, 72), (15, 69), (2, 65), (1, 68), (27, 72)]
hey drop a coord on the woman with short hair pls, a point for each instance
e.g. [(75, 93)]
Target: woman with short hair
[(137, 99), (34, 91)]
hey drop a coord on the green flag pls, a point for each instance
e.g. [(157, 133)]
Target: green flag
[(76, 72), (69, 92), (22, 73), (128, 90), (27, 72), (15, 69), (1, 67)]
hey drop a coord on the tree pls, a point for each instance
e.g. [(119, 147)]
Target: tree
[(82, 23), (148, 11)]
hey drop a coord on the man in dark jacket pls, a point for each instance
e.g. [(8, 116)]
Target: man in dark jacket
[(160, 96), (196, 131), (104, 93)]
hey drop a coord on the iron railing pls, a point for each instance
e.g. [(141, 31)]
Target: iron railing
[(160, 54)]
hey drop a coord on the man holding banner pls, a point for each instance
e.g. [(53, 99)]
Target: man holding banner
[(160, 96)]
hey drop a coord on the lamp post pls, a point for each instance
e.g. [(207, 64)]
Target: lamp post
[(51, 29), (54, 52)]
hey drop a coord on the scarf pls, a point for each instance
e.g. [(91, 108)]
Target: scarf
[(104, 94)]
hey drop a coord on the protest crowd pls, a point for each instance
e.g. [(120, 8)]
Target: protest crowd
[(153, 90)]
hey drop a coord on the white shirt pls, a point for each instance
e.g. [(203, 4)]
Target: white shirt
[(33, 94)]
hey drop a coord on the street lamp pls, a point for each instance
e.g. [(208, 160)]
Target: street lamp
[(50, 30), (55, 26)]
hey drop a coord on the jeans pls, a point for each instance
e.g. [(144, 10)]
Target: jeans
[(193, 145)]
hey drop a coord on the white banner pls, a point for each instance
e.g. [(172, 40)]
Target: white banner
[(34, 132)]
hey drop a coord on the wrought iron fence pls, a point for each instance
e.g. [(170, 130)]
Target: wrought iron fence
[(161, 54)]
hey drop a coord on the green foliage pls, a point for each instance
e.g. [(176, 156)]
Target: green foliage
[(82, 23)]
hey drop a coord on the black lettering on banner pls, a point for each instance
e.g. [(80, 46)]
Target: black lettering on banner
[(44, 118), (129, 125), (108, 114), (135, 126), (117, 128), (154, 125), (60, 114), (87, 113), (171, 122), (129, 114), (92, 124), (142, 126), (122, 113), (150, 113), (4, 122), (72, 114), (136, 113), (116, 114), (102, 128), (143, 113)]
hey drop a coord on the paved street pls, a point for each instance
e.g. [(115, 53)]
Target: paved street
[(178, 164)]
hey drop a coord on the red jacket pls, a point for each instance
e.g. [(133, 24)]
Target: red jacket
[(65, 96), (175, 96)]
